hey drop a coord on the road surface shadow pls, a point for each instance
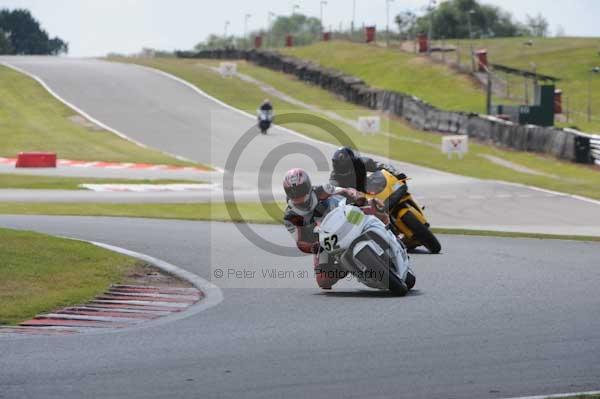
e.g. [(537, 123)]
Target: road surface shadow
[(367, 294)]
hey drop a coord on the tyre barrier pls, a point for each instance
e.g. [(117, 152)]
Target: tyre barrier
[(36, 160), (560, 143)]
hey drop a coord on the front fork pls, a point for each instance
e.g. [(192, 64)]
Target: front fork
[(398, 226)]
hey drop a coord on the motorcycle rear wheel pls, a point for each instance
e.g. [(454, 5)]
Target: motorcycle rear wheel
[(422, 233), (411, 280)]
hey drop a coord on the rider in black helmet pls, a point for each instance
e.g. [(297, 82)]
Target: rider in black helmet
[(266, 105), (350, 170)]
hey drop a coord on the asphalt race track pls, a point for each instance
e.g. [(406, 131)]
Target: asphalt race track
[(490, 318), (165, 114)]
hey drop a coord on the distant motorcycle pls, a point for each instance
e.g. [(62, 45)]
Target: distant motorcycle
[(361, 245), (265, 119)]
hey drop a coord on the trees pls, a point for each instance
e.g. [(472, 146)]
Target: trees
[(305, 30), (537, 25), (406, 22), (215, 42), (5, 44), (451, 20), (22, 34)]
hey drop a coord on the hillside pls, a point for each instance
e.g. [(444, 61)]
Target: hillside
[(569, 59), (395, 70)]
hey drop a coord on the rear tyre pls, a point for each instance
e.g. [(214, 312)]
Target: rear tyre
[(378, 267), (422, 233)]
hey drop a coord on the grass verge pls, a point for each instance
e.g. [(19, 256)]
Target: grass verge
[(403, 143), (32, 120), (20, 181), (395, 70), (39, 273), (568, 58), (248, 212), (595, 396)]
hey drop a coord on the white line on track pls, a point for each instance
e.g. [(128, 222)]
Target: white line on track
[(241, 112), (88, 116), (212, 294), (558, 395), (292, 132)]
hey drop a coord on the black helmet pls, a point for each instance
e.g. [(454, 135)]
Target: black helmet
[(343, 161)]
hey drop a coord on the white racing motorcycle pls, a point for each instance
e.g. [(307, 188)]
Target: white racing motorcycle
[(362, 246)]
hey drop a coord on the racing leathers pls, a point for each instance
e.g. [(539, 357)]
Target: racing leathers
[(356, 176), (300, 223)]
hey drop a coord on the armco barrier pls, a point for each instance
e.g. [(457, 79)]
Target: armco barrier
[(557, 142), (595, 149), (587, 148), (36, 160)]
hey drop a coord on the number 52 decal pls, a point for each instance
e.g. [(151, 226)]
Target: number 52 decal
[(331, 243)]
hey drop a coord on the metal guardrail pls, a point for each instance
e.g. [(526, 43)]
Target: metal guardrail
[(595, 148), (587, 146)]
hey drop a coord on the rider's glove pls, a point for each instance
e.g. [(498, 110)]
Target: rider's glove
[(360, 200), (401, 176), (377, 204)]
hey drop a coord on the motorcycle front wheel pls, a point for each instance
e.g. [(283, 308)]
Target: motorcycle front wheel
[(422, 233), (376, 265)]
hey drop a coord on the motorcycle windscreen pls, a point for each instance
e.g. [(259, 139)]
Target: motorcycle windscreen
[(376, 183)]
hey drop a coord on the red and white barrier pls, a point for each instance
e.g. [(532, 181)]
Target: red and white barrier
[(105, 165), (36, 160)]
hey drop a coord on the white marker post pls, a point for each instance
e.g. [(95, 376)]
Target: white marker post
[(228, 69), (369, 124), (455, 145)]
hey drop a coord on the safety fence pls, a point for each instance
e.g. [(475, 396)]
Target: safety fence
[(557, 142), (595, 149)]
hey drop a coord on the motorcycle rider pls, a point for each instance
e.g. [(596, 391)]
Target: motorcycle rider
[(265, 116), (266, 105), (350, 169), (306, 206)]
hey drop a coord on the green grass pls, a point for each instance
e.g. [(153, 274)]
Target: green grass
[(569, 59), (32, 120), (395, 70), (250, 212), (579, 397), (21, 181), (270, 213), (39, 273), (405, 144), (510, 234)]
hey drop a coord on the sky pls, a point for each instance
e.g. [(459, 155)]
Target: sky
[(97, 27)]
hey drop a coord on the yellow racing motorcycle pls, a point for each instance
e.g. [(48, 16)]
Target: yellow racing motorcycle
[(406, 216)]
